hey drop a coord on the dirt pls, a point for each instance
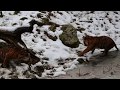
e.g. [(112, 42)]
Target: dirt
[(99, 67)]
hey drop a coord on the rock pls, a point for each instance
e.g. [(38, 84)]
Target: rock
[(80, 29), (1, 14), (14, 77), (53, 27), (45, 58), (33, 21), (39, 70), (27, 74), (14, 24), (2, 78), (45, 21), (23, 18), (69, 36), (80, 60), (54, 38), (16, 12), (39, 15)]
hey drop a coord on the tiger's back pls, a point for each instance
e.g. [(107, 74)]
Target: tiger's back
[(104, 42)]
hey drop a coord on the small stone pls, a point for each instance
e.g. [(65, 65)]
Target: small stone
[(23, 18), (80, 60)]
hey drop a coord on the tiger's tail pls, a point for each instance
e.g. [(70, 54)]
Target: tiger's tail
[(116, 47)]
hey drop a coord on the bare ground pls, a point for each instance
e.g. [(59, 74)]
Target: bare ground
[(99, 67)]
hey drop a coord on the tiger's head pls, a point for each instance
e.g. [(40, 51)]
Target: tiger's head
[(87, 39)]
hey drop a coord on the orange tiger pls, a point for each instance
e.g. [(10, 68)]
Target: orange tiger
[(100, 42), (13, 53)]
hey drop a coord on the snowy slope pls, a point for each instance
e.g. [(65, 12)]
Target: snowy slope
[(95, 23)]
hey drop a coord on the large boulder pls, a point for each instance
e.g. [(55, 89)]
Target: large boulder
[(69, 36)]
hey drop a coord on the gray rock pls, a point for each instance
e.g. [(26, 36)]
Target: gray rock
[(69, 36)]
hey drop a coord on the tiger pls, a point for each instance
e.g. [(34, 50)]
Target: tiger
[(16, 54), (98, 42)]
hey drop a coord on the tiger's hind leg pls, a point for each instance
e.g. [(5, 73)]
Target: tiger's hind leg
[(116, 47), (105, 52)]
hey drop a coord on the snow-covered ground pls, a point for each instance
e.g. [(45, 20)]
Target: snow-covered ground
[(94, 22)]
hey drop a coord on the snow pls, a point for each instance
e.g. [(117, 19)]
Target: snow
[(103, 23), (59, 73)]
